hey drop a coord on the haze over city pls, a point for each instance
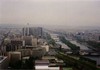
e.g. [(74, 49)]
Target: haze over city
[(50, 34), (51, 13)]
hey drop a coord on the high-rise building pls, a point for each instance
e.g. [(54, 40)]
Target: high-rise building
[(27, 40), (39, 31), (35, 31), (25, 31)]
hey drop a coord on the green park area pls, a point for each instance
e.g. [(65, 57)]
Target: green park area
[(67, 69), (73, 47), (76, 64)]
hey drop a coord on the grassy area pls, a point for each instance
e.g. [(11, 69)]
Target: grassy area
[(77, 64), (67, 69), (50, 40), (73, 47)]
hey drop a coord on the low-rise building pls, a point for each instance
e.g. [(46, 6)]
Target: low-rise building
[(44, 65), (4, 62)]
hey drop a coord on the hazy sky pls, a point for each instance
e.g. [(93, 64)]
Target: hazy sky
[(53, 13)]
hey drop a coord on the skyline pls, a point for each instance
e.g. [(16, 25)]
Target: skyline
[(51, 13)]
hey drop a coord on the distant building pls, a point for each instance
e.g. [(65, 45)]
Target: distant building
[(34, 52), (38, 52), (34, 42), (41, 41), (36, 31), (16, 43), (46, 47), (25, 52), (27, 40), (25, 31), (88, 36), (12, 45)]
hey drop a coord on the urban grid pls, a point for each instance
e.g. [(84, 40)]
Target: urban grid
[(59, 35)]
